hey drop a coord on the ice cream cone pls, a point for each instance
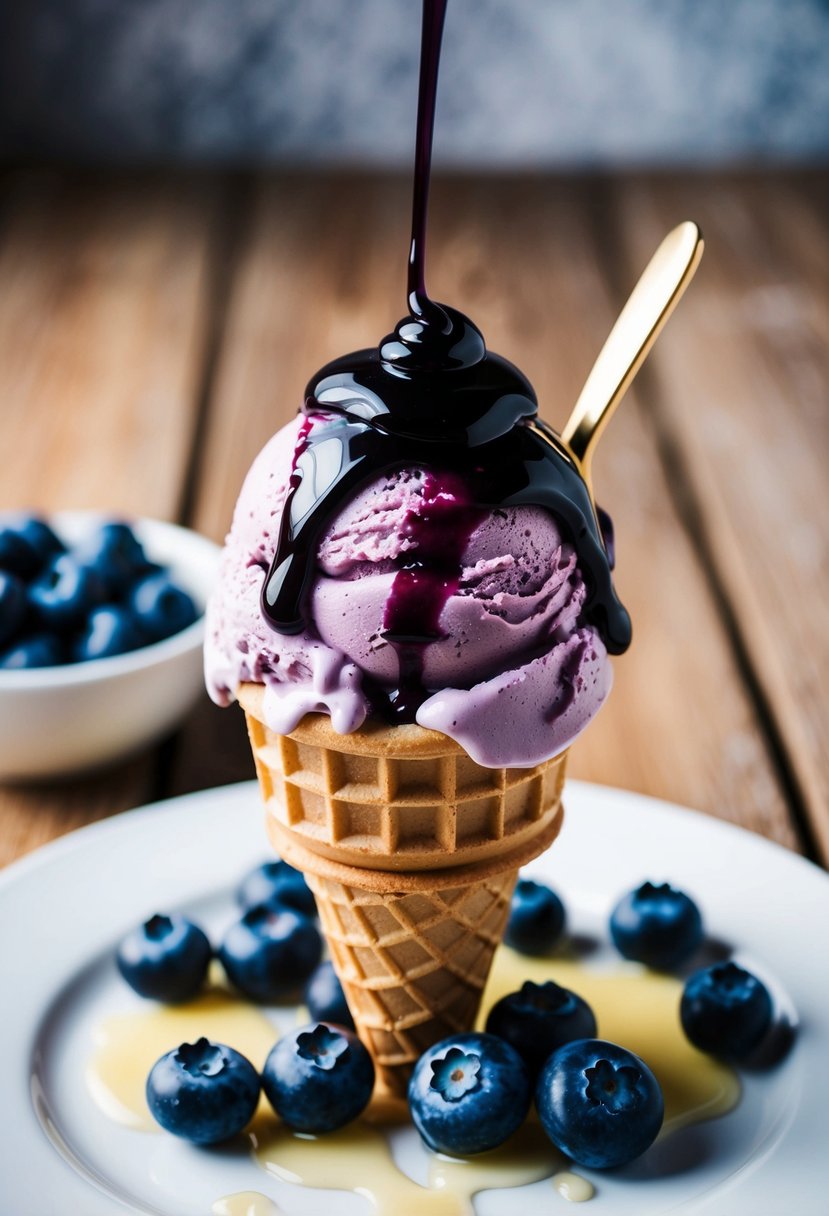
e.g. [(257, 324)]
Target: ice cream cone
[(412, 850)]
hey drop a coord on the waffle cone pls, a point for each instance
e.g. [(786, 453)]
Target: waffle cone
[(412, 851)]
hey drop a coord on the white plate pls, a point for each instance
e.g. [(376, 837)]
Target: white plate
[(62, 910)]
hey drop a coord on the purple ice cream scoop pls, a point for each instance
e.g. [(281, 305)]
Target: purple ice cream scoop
[(487, 603)]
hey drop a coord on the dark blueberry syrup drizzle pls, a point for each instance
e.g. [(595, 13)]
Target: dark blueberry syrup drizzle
[(440, 532), (431, 396)]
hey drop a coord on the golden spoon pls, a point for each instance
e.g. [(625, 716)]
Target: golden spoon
[(639, 324)]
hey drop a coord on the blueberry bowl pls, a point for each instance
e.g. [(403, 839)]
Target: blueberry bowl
[(89, 712)]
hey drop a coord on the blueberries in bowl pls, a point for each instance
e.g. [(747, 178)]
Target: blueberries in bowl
[(12, 605), (160, 608), (97, 598), (540, 1018), (657, 925), (468, 1094), (277, 882), (34, 650), (109, 629), (726, 1010), (42, 539), (536, 919), (27, 547), (204, 1092), (270, 952), (116, 555), (318, 1078), (325, 999), (599, 1103), (165, 959), (62, 596)]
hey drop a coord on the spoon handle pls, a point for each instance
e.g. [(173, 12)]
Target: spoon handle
[(640, 322)]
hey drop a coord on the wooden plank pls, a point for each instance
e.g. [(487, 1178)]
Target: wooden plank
[(314, 280), (103, 316), (739, 393), (322, 273), (102, 321)]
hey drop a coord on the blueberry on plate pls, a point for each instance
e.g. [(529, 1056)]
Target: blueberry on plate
[(599, 1103), (325, 998), (318, 1077), (657, 925), (277, 881), (540, 1018), (203, 1091), (468, 1094), (116, 555), (161, 607), (270, 952), (36, 650), (536, 919), (12, 605), (165, 959), (109, 630), (726, 1010), (64, 594)]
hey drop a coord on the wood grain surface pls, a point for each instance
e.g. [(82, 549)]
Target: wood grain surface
[(103, 324), (740, 393), (154, 334)]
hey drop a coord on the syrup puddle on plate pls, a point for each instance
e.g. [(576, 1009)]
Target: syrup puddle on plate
[(358, 1159), (245, 1203), (128, 1044), (573, 1187), (640, 1010), (634, 1007)]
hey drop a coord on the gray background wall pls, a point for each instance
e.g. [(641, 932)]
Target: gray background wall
[(524, 82)]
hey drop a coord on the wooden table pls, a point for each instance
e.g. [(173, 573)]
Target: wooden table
[(155, 330)]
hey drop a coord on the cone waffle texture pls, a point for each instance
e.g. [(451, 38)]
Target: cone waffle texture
[(397, 797), (412, 851), (413, 965)]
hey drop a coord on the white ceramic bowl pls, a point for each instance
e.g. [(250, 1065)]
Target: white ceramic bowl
[(60, 720)]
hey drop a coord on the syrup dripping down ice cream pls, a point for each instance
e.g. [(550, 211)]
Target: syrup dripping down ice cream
[(423, 606)]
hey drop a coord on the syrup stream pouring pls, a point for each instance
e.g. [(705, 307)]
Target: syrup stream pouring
[(628, 344)]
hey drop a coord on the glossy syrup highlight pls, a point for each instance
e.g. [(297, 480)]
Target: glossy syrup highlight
[(430, 396)]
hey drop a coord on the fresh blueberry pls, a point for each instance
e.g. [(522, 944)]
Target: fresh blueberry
[(110, 629), (17, 554), (64, 594), (203, 1091), (599, 1103), (726, 1010), (318, 1078), (277, 881), (165, 959), (12, 605), (42, 539), (36, 650), (116, 555), (536, 919), (325, 998), (656, 925), (468, 1094), (270, 952), (161, 607), (540, 1018)]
